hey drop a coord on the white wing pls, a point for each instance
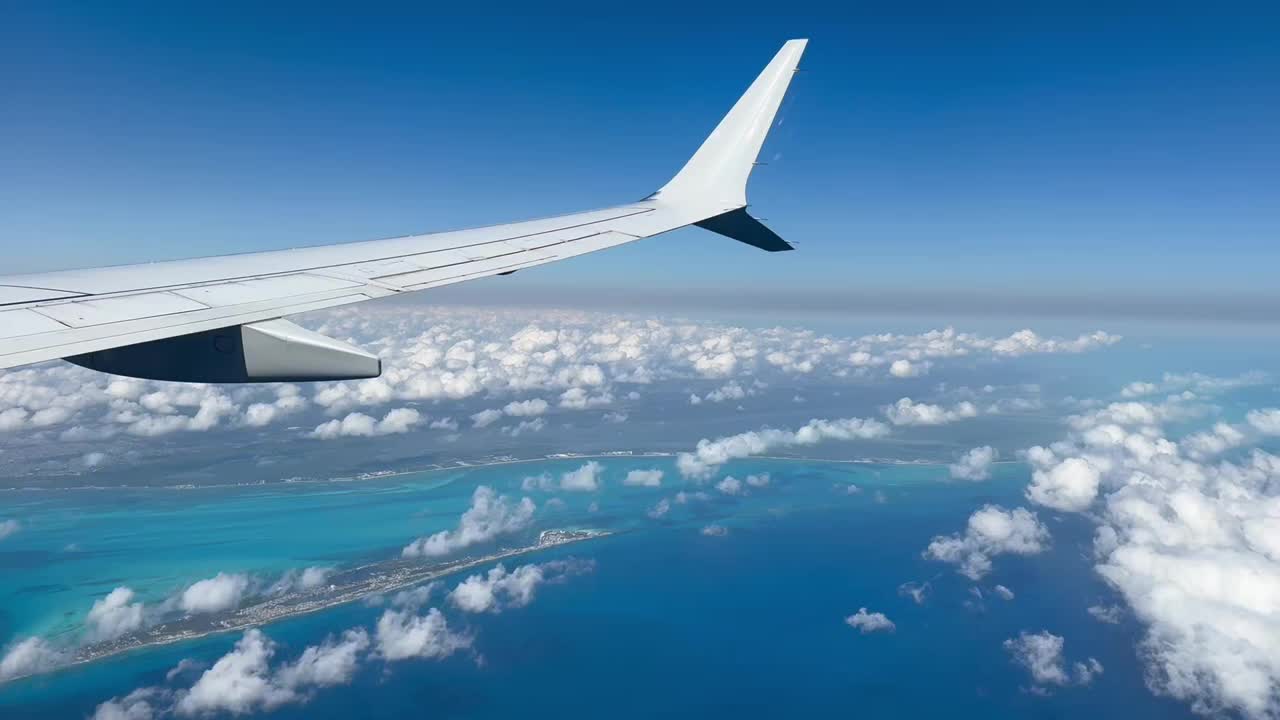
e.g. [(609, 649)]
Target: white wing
[(216, 319)]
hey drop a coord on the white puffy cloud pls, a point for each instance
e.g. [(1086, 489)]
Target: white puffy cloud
[(526, 408), (404, 635), (115, 615), (1189, 540), (1025, 342), (485, 418), (1070, 485), (288, 400), (711, 454), (1004, 592), (991, 531), (725, 393), (1214, 441), (137, 705), (30, 656), (1041, 654), (1266, 422), (396, 421), (499, 589), (730, 486), (870, 622), (242, 681), (447, 354), (714, 530), (333, 662), (974, 464), (223, 591), (906, 369), (1197, 383), (525, 426), (584, 479), (908, 412), (308, 578), (489, 516), (580, 399), (9, 527), (643, 478)]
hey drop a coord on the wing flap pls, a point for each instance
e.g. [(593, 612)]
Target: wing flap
[(240, 292), (100, 311), (16, 323)]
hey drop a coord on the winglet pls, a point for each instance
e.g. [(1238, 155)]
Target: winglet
[(740, 226), (716, 175)]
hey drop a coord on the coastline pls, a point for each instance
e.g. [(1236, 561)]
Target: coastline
[(399, 575), (469, 465)]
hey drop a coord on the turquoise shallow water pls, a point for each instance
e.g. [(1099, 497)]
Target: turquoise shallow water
[(671, 622)]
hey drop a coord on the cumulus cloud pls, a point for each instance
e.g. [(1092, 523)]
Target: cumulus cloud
[(906, 368), (1070, 485), (714, 530), (711, 454), (1214, 441), (1041, 654), (137, 705), (499, 589), (115, 615), (30, 656), (397, 421), (452, 354), (1197, 383), (870, 622), (300, 580), (489, 516), (526, 408), (643, 478), (991, 531), (288, 400), (9, 527), (908, 412), (584, 479), (974, 464), (1002, 591), (1189, 540), (580, 399), (243, 681), (333, 662), (730, 486), (1266, 422), (660, 509), (404, 635), (221, 592), (725, 393)]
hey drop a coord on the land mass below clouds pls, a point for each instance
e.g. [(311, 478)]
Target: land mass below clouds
[(475, 464), (345, 586)]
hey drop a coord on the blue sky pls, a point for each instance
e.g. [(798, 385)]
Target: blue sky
[(992, 150)]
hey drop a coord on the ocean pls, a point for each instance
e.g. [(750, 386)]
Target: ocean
[(671, 622)]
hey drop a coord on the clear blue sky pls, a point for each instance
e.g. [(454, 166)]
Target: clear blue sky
[(991, 148)]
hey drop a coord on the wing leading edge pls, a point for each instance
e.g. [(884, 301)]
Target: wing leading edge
[(217, 319)]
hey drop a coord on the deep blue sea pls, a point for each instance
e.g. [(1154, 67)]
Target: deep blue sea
[(671, 622)]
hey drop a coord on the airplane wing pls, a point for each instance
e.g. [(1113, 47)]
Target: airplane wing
[(220, 319)]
